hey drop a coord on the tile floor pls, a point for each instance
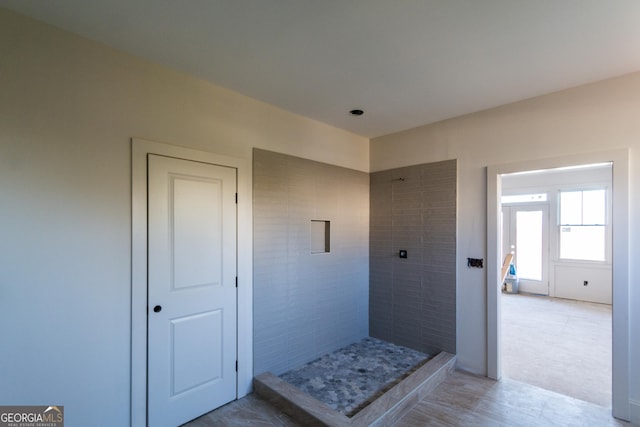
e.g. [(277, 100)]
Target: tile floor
[(559, 345), (249, 411), (469, 400), (461, 400)]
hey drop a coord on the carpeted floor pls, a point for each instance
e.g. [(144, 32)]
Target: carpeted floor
[(557, 344), (350, 378)]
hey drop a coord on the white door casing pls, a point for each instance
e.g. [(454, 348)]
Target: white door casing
[(621, 405), (140, 150), (191, 289)]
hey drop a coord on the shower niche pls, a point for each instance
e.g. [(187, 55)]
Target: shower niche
[(320, 236)]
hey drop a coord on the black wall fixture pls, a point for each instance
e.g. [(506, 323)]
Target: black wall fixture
[(475, 262)]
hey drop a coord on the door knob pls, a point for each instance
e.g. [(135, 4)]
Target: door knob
[(157, 309)]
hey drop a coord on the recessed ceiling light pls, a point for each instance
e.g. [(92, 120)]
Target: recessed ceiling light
[(356, 112)]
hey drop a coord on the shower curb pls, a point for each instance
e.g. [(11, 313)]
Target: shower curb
[(385, 410)]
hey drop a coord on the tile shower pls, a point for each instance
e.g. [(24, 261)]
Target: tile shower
[(311, 259), (327, 271), (412, 300), (350, 378)]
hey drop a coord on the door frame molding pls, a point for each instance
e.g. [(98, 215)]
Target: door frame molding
[(620, 242), (140, 149)]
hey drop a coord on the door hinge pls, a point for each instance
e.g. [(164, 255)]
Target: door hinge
[(236, 198), (236, 366), (236, 281)]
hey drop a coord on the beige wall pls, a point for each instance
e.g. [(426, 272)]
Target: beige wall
[(597, 117), (68, 108)]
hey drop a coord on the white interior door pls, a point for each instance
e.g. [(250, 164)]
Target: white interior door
[(526, 233), (191, 289)]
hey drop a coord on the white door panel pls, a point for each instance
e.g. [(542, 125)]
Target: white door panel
[(197, 233), (192, 294), (191, 369)]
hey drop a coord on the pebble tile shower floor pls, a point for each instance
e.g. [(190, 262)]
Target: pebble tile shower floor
[(350, 378)]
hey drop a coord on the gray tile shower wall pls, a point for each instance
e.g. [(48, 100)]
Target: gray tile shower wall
[(412, 301), (307, 304)]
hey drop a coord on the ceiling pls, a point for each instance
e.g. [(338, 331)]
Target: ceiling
[(404, 62)]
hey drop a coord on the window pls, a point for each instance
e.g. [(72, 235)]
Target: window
[(582, 225), (524, 198)]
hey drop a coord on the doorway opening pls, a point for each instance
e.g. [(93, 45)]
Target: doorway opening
[(619, 160), (556, 315)]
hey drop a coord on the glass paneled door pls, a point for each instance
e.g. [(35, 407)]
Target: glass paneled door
[(526, 234)]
